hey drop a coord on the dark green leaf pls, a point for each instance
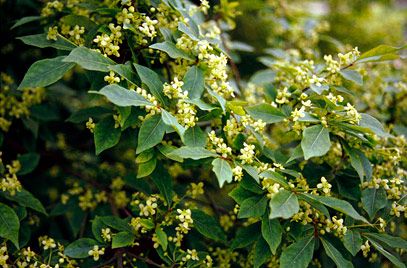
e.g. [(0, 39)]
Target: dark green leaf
[(79, 249), (41, 41), (194, 137), (353, 76), (151, 133), (207, 225), (153, 82), (396, 261), (298, 254), (9, 224), (192, 153), (172, 121), (352, 241), (194, 82), (84, 114), (106, 135), (391, 241), (162, 238), (335, 255), (122, 239), (272, 232), (163, 181), (262, 252), (26, 199), (253, 207), (373, 200), (125, 70), (171, 50), (28, 163)]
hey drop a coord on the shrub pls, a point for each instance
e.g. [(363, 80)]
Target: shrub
[(199, 161)]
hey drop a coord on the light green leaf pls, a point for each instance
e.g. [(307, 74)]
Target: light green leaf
[(106, 135), (352, 241), (153, 82), (222, 170), (208, 226), (194, 82), (193, 34), (272, 232), (387, 254), (253, 207), (79, 249), (45, 72), (122, 239), (337, 204), (121, 96), (274, 176), (353, 76), (9, 224), (162, 238), (194, 137), (373, 124), (315, 141), (262, 253), (283, 204), (391, 241), (298, 254), (41, 41), (335, 255), (266, 112), (151, 133), (360, 163), (220, 99), (89, 59), (171, 50), (146, 168), (192, 152), (373, 200), (380, 53), (172, 121)]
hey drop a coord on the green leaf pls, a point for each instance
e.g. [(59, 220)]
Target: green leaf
[(194, 82), (125, 70), (117, 223), (194, 137), (162, 238), (374, 125), (79, 249), (373, 200), (352, 241), (315, 141), (9, 224), (253, 207), (208, 226), (122, 239), (89, 59), (298, 254), (391, 241), (360, 163), (252, 171), (335, 255), (266, 112), (272, 232), (25, 20), (219, 99), (283, 204), (171, 50), (97, 226), (121, 96), (191, 32), (274, 176), (315, 204), (28, 163), (380, 53), (245, 236), (262, 253), (83, 115), (222, 170), (353, 76), (163, 181), (151, 133), (172, 121), (146, 168), (337, 204), (45, 72), (153, 82), (106, 135), (387, 254), (26, 199), (194, 153), (41, 41), (239, 194)]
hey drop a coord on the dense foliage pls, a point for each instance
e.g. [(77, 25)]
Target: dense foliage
[(177, 134)]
